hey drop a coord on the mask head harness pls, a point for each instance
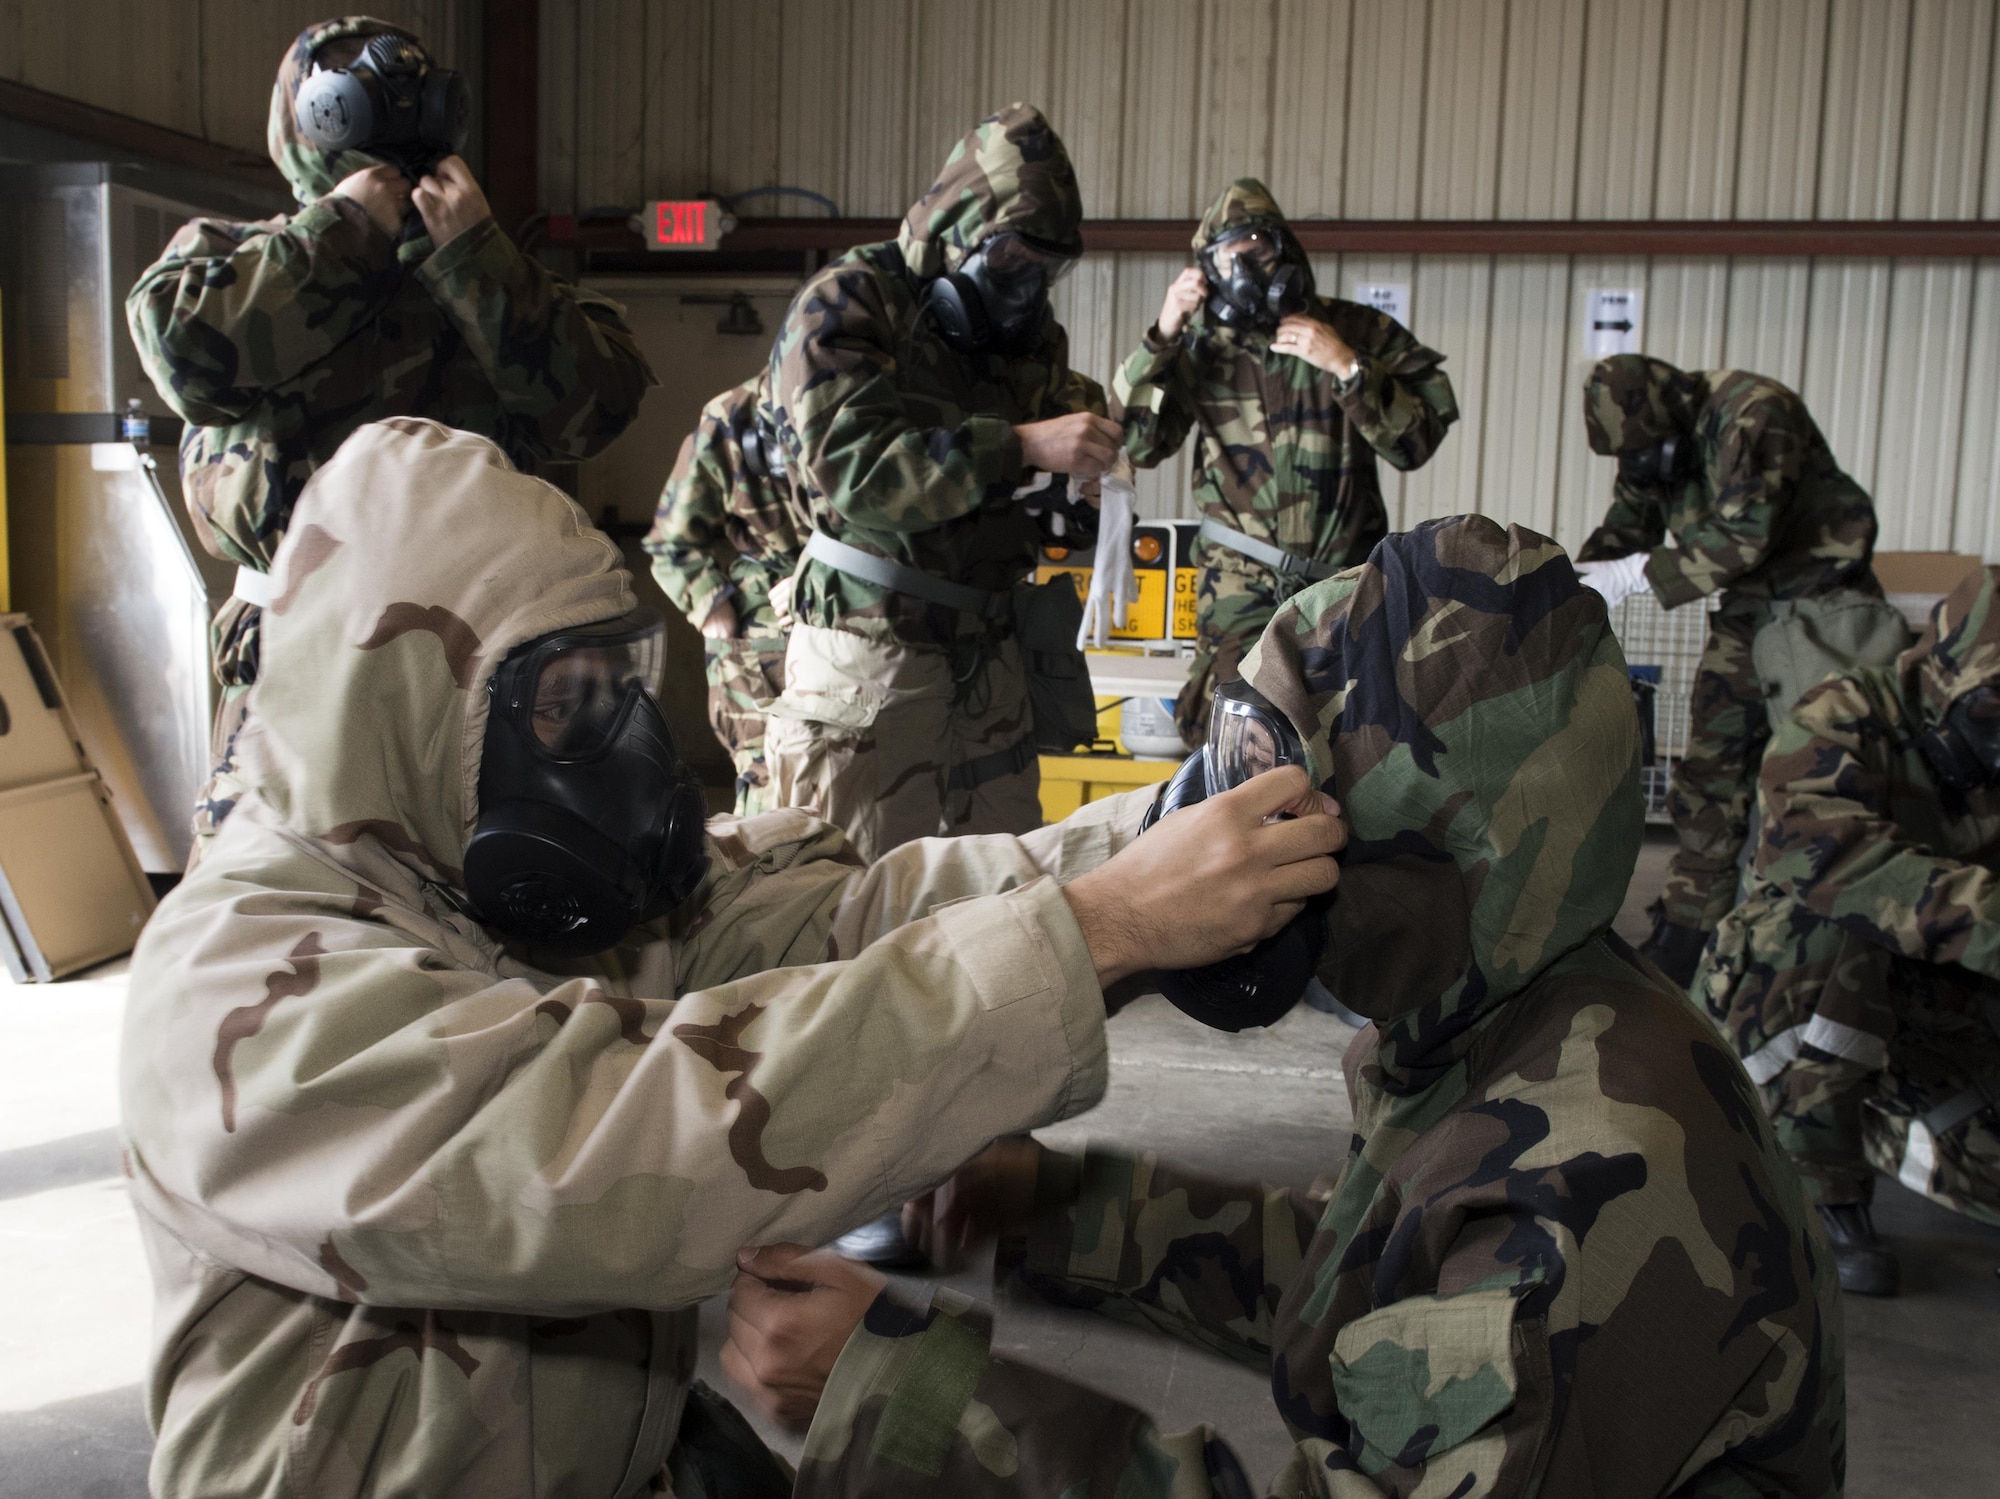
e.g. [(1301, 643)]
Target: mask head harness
[(1258, 275), (1660, 465), (756, 445), (1963, 750), (997, 301), (391, 102), (1246, 737), (589, 820)]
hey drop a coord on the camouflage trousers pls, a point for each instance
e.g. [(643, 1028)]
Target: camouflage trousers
[(1232, 607), (876, 737), (744, 674), (1895, 1066), (1715, 781)]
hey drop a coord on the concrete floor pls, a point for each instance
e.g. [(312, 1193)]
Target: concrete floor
[(1923, 1370)]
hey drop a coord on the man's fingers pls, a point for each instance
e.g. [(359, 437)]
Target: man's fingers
[(1300, 838), (1300, 880), (1264, 794)]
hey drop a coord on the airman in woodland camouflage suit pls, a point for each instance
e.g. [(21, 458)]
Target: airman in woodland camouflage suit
[(725, 535), (1564, 1255), (1859, 978), (1288, 428), (902, 718), (429, 1215), (1761, 514), (274, 340)]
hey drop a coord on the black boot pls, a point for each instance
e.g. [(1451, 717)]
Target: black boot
[(880, 1243), (1867, 1265), (1674, 949)]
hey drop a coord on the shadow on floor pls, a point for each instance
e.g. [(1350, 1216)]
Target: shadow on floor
[(93, 1447)]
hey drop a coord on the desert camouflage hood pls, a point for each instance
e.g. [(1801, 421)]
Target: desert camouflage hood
[(312, 173), (1631, 401), (1959, 649), (417, 559), (1245, 202), (1010, 172), (1464, 697)]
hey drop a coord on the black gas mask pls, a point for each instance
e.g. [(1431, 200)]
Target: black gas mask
[(391, 102), (1963, 751), (1246, 737), (997, 301), (589, 820), (1660, 466), (1257, 277), (758, 447)]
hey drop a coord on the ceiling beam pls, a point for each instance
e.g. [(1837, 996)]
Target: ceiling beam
[(125, 135)]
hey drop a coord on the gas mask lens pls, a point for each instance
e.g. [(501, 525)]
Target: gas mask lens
[(573, 690), (1257, 248), (1246, 737), (1012, 257)]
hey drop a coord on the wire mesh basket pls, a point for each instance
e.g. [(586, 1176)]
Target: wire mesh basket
[(1662, 649)]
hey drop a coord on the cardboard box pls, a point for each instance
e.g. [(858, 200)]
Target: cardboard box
[(1915, 581)]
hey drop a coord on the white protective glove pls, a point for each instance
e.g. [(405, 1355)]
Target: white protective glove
[(1617, 580), (1113, 588)]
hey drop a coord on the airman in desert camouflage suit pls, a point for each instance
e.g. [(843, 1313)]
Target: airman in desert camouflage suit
[(725, 535), (1761, 514), (428, 1215), (902, 718), (1285, 448), (275, 340), (1859, 978), (1564, 1256)]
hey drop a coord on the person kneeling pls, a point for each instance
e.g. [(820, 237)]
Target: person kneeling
[(1564, 1255)]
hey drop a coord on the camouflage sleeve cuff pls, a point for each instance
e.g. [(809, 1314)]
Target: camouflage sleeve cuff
[(1667, 571), (477, 261), (343, 226), (902, 1383), (1076, 1234), (1148, 366)]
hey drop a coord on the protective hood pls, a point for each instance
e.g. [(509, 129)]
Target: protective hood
[(1244, 204), (1463, 695), (417, 558), (1011, 172), (1632, 401), (1959, 649), (312, 173)]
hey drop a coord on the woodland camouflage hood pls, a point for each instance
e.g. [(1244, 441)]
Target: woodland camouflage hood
[(1631, 401), (417, 559), (312, 173), (1959, 649), (1463, 696), (1010, 172), (1244, 204)]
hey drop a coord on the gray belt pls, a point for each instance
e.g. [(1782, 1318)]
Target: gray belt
[(1017, 757), (1285, 564), (869, 568)]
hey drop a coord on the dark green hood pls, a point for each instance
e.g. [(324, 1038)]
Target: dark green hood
[(1011, 172), (1633, 401), (1244, 204), (1959, 649), (312, 173), (1463, 696)]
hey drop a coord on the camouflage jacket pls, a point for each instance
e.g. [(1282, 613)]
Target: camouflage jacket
[(721, 531), (428, 1216), (1858, 837), (1766, 514), (1286, 452), (899, 444), (1564, 1255), (275, 340)]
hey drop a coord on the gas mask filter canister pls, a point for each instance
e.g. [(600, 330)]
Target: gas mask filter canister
[(590, 822), (1246, 737)]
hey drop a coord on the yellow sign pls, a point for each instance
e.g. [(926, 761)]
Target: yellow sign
[(1146, 619), (1187, 594)]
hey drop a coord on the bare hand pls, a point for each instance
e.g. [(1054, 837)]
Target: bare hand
[(1081, 443), (1318, 345), (382, 192), (721, 621), (450, 201), (791, 1311), (1213, 880), (990, 1195), (1184, 299)]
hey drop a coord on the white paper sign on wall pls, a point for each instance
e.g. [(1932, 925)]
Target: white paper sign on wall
[(1612, 322), (1392, 297)]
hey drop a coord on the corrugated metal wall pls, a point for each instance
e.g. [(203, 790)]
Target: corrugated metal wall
[(1506, 109), (203, 67)]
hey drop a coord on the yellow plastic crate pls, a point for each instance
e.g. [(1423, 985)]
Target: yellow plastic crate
[(1068, 781)]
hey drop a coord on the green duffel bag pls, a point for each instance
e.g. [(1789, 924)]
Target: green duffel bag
[(1807, 640), (1047, 618)]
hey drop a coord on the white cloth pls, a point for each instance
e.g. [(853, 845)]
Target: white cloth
[(1617, 580), (254, 587), (1113, 588)]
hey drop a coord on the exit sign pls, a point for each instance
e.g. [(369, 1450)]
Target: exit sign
[(685, 224)]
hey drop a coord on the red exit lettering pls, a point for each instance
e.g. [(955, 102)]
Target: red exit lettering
[(681, 223)]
